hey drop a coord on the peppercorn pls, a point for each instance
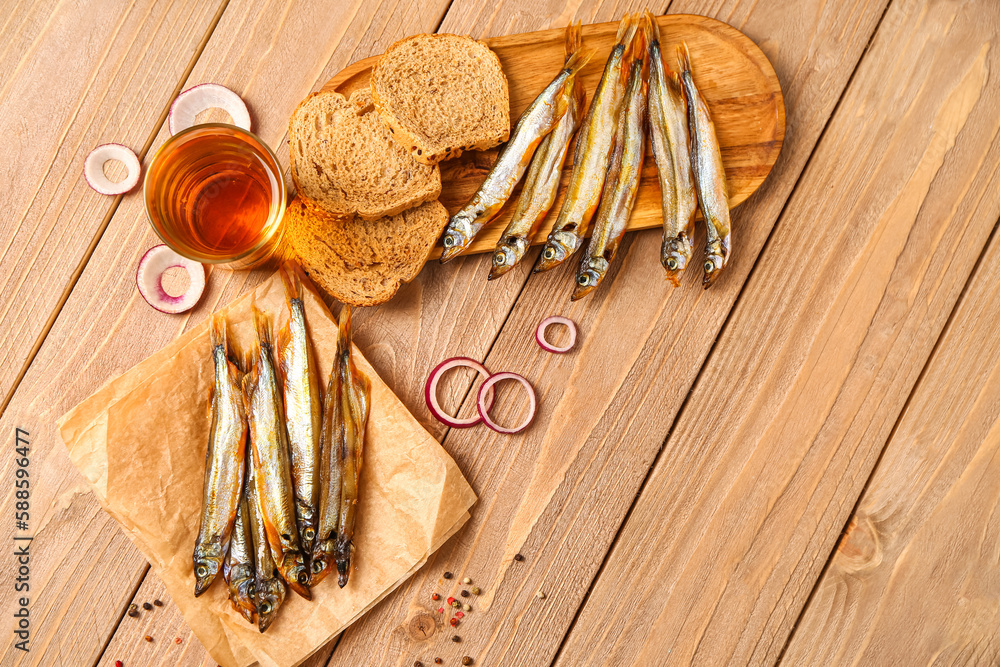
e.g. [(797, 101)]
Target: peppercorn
[(118, 663), (133, 613), (435, 596), (475, 590), (177, 641), (540, 595), (466, 660), (147, 606), (148, 638), (157, 603), (417, 663), (466, 581), (456, 604), (456, 638), (454, 622), (437, 661), (466, 607), (450, 600), (447, 575), (440, 610), (459, 614)]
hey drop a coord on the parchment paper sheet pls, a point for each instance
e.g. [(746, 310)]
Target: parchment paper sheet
[(141, 439)]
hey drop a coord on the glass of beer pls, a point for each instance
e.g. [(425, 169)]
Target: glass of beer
[(215, 194)]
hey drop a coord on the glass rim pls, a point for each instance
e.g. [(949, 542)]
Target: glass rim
[(274, 225)]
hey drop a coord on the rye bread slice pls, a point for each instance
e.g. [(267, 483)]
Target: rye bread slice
[(362, 262), (345, 160), (442, 95)]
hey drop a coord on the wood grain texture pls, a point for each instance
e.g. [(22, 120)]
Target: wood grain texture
[(916, 578), (73, 76), (790, 413), (559, 492), (106, 327), (735, 77)]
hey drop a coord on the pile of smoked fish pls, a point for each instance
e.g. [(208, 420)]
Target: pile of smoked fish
[(638, 93), (283, 464)]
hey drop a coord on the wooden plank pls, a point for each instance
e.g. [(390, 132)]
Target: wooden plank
[(72, 76), (789, 415), (731, 72), (105, 327), (559, 492), (915, 579)]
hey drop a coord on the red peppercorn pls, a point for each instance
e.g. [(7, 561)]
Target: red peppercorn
[(450, 600), (454, 622), (435, 596), (459, 614), (118, 663), (440, 610), (177, 641)]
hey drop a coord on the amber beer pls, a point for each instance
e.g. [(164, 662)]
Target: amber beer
[(215, 194)]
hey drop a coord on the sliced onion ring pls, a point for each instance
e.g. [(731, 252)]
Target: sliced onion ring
[(545, 324), (149, 280), (430, 391), (93, 169), (204, 96), (484, 408)]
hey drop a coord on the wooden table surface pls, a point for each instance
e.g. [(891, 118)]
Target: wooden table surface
[(800, 465)]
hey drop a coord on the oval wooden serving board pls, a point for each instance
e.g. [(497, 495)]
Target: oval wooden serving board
[(735, 77)]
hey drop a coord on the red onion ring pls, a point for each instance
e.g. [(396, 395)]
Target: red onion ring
[(430, 391), (204, 96), (93, 169), (484, 409), (149, 280), (545, 324)]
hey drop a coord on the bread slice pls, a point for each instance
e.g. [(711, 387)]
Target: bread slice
[(345, 160), (362, 262), (441, 95)]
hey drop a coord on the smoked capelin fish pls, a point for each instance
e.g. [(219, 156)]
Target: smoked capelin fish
[(535, 123), (330, 476), (269, 589), (272, 468), (303, 410), (709, 175), (668, 134), (542, 182), (223, 463), (355, 403), (239, 568), (622, 182), (591, 155)]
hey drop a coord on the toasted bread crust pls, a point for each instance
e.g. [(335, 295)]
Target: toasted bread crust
[(363, 263), (344, 160), (404, 88)]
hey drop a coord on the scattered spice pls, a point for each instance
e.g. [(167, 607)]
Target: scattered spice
[(435, 596), (417, 663), (518, 557), (440, 610), (466, 660), (540, 595), (448, 575), (133, 613), (456, 604), (456, 638), (466, 608), (157, 603), (450, 600), (454, 622), (475, 590), (148, 638), (466, 581), (147, 606), (465, 593), (437, 661), (177, 641), (459, 614), (118, 663)]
